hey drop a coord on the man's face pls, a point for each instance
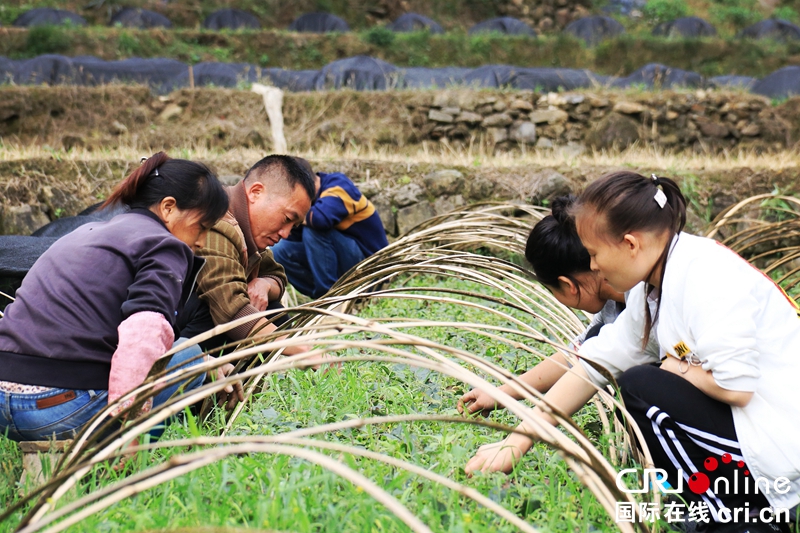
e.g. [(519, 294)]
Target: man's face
[(274, 213)]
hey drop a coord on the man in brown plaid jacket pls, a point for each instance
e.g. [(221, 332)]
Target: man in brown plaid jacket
[(241, 277)]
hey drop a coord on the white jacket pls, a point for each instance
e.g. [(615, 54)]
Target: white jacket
[(743, 328)]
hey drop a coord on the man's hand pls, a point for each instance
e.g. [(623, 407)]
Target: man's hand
[(262, 291), (497, 456), (476, 401), (233, 393)]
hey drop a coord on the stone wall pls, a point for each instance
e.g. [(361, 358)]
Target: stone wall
[(37, 191), (701, 120), (542, 15), (92, 118), (547, 15), (441, 191)]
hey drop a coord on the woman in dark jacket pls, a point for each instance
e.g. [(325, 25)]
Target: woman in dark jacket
[(99, 307)]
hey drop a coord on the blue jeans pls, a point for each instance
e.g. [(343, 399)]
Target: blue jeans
[(314, 264), (24, 421)]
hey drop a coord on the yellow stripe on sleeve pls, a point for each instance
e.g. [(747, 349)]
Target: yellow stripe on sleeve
[(357, 211)]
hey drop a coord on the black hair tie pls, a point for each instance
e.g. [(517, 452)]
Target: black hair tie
[(155, 170)]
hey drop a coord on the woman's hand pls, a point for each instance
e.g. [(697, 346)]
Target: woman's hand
[(567, 395), (476, 401), (541, 377), (499, 456), (233, 393)]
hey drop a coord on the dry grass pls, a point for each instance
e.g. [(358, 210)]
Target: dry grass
[(441, 154)]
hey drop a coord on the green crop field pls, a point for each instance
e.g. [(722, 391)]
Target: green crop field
[(276, 492)]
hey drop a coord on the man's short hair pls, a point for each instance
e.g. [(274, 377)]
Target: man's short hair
[(284, 168)]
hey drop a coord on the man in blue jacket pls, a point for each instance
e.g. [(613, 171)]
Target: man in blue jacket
[(340, 230)]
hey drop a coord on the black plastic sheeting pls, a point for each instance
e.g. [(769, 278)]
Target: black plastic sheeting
[(133, 17), (685, 27), (595, 29), (291, 80), (62, 226), (231, 19), (732, 82), (657, 76), (362, 73), (213, 74), (541, 79), (507, 25), (47, 69), (19, 253), (319, 23), (433, 78), (775, 29), (160, 74), (7, 69), (48, 16), (782, 83), (415, 22), (557, 79)]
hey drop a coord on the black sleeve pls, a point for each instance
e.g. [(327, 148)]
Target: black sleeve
[(161, 268)]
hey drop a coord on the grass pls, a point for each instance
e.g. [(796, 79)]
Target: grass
[(710, 181), (452, 14), (659, 160), (275, 13), (276, 492), (277, 48)]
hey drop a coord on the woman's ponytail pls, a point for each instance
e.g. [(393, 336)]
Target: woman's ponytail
[(675, 200), (128, 190), (554, 248), (191, 184), (559, 208)]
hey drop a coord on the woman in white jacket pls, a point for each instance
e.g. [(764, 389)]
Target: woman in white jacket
[(562, 265), (724, 403)]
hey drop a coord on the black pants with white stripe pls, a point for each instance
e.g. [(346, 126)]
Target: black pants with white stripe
[(686, 429)]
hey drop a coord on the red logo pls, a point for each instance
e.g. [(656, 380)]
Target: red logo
[(699, 482)]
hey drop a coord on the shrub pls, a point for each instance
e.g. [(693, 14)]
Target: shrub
[(481, 44), (380, 36), (657, 11), (48, 40), (128, 44), (786, 13), (738, 13)]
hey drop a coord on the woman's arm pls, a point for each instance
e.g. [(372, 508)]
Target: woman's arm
[(567, 395), (541, 377), (704, 380), (143, 338)]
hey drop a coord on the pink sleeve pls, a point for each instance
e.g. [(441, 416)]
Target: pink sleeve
[(143, 338)]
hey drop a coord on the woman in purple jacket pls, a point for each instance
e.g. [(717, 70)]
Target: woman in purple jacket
[(99, 307)]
